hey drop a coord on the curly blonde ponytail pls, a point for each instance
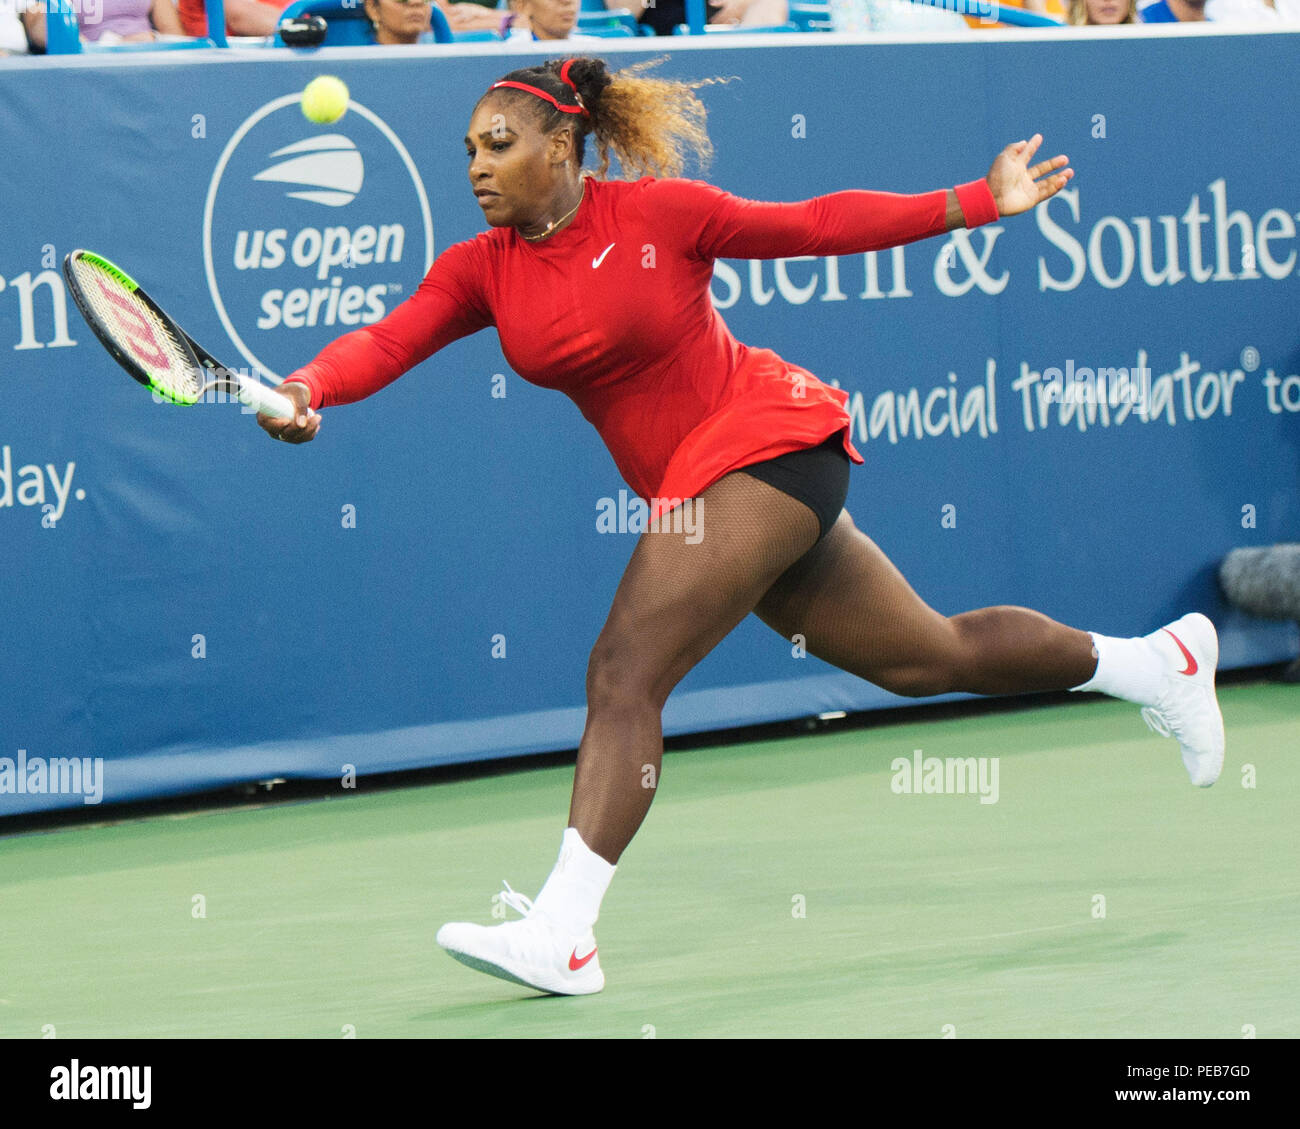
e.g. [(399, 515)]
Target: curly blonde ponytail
[(651, 125)]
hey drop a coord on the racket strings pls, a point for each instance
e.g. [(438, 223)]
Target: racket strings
[(139, 332)]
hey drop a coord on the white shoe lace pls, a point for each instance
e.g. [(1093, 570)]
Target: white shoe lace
[(515, 900), (1156, 721)]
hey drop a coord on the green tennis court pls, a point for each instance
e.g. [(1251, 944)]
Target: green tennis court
[(778, 888)]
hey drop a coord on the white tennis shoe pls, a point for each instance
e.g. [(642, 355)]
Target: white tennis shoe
[(1187, 708), (536, 952)]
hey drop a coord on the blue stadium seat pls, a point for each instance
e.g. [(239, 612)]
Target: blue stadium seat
[(61, 34), (348, 25), (811, 17)]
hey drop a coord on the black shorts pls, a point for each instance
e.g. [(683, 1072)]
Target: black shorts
[(816, 476)]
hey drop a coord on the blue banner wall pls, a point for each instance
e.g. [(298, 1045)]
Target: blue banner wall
[(197, 605)]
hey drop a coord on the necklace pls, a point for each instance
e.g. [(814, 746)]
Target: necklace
[(556, 223)]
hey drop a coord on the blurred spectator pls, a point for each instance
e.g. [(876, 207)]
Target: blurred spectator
[(13, 37), (1262, 13), (1095, 13), (545, 20), (893, 15), (664, 15), (483, 16), (243, 17), (398, 22), (113, 21), (1172, 12)]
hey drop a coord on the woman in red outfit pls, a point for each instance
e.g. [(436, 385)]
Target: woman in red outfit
[(600, 288)]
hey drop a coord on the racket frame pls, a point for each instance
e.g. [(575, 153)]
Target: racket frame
[(247, 390)]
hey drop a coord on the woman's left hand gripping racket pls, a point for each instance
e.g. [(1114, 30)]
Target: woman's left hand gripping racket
[(150, 345)]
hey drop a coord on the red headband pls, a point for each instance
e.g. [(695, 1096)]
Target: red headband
[(564, 77)]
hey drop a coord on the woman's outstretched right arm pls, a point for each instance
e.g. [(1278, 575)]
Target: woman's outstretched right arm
[(449, 303)]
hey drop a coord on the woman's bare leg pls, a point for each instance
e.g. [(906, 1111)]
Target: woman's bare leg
[(677, 600), (854, 609)]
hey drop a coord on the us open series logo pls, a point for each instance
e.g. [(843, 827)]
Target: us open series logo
[(305, 238)]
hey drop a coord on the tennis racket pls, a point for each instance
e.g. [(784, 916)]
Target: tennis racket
[(140, 336)]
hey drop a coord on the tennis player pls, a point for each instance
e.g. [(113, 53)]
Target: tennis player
[(600, 288)]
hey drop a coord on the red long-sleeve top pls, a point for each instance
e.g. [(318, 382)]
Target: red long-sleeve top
[(614, 311)]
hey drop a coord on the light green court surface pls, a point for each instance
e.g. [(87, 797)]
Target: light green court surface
[(921, 910)]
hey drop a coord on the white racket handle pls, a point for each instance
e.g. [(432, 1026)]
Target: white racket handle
[(267, 402)]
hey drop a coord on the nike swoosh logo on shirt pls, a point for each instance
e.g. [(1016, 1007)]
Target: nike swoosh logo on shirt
[(597, 261), (574, 962), (1191, 662)]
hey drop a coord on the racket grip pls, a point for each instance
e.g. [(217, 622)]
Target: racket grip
[(267, 402)]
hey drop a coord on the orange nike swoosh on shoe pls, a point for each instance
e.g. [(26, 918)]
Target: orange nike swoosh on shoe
[(575, 963), (1191, 662)]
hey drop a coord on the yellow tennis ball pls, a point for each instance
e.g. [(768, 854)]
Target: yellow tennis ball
[(325, 99)]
